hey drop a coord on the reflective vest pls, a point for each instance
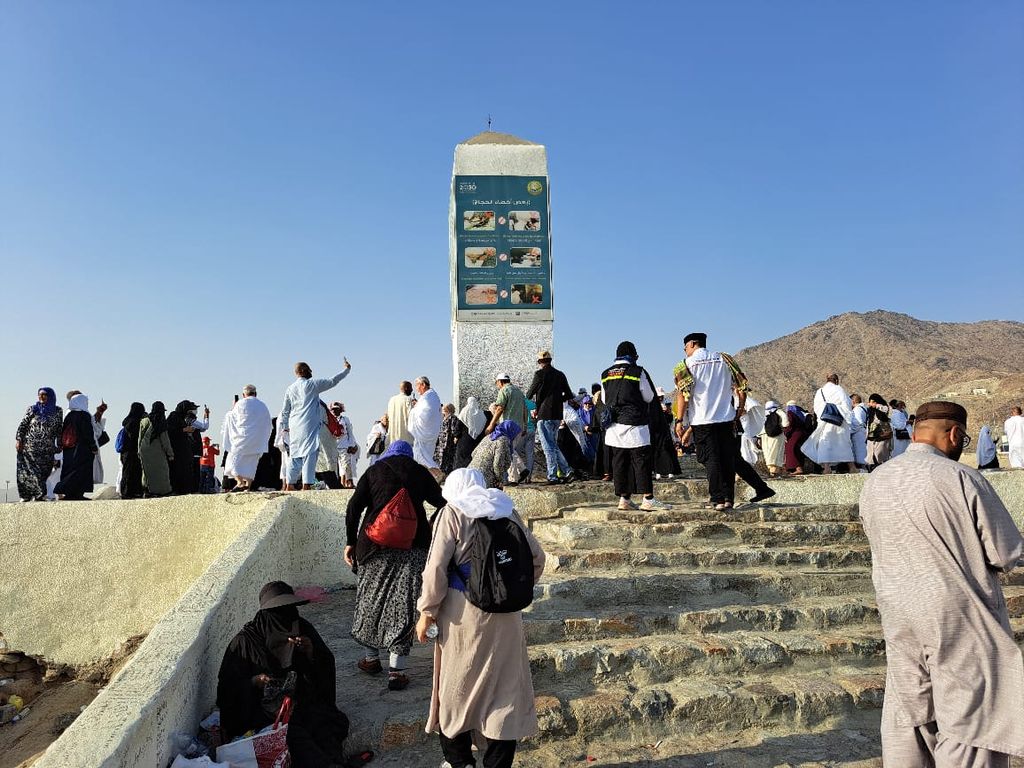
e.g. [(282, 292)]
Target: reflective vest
[(621, 385)]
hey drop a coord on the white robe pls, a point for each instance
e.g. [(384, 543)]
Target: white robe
[(347, 461), (377, 430), (425, 426), (97, 463), (898, 420), (858, 433), (1013, 428), (302, 413), (281, 443), (752, 422), (830, 443), (246, 435)]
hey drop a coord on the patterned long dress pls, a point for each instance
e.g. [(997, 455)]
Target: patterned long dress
[(40, 439)]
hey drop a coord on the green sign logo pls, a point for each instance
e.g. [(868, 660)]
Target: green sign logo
[(534, 187)]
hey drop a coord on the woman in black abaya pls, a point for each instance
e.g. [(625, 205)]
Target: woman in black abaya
[(80, 450), (258, 661)]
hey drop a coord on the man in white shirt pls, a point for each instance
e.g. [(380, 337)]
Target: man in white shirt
[(398, 414), (830, 443), (706, 382), (1013, 428)]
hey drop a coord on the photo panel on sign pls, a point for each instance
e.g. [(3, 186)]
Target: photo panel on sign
[(526, 258)]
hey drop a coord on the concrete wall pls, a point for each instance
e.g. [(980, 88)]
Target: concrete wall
[(120, 565), (845, 489), (170, 682)]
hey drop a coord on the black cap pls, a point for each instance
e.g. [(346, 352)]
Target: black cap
[(277, 594), (700, 338), (625, 348)]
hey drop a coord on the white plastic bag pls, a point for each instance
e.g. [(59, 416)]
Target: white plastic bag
[(197, 762), (267, 749)]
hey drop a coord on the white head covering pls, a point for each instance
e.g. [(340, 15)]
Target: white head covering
[(473, 417), (986, 446), (771, 406), (79, 403), (466, 491)]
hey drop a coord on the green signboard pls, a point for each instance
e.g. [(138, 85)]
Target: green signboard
[(503, 248)]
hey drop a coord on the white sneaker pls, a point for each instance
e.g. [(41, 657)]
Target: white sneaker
[(648, 505), (670, 477), (658, 477), (626, 504)]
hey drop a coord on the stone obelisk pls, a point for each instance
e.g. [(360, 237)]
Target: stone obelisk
[(500, 260)]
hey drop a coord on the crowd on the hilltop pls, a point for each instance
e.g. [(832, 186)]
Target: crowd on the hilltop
[(624, 429)]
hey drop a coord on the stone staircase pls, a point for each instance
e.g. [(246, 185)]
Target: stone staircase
[(685, 638), (690, 625)]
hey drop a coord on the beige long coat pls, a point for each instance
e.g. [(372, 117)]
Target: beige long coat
[(481, 668)]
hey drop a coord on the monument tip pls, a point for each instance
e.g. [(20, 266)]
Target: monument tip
[(494, 137)]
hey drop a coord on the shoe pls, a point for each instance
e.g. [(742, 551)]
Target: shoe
[(670, 477), (556, 481), (626, 504), (524, 476), (571, 477), (370, 666), (606, 478), (762, 496), (512, 484), (397, 681), (657, 476), (723, 506), (649, 505)]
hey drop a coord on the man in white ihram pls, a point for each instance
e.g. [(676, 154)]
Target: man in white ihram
[(830, 442), (1013, 428), (940, 538), (246, 437), (425, 423), (301, 417)]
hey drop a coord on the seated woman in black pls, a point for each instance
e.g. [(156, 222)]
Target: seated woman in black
[(256, 665)]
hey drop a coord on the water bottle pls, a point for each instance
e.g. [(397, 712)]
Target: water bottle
[(432, 632)]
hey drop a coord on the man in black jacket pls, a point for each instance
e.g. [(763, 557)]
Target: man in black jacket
[(550, 390), (627, 391)]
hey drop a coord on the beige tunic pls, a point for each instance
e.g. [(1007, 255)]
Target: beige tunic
[(481, 668), (939, 538), (774, 448)]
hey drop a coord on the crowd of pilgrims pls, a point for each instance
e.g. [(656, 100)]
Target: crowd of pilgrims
[(165, 453)]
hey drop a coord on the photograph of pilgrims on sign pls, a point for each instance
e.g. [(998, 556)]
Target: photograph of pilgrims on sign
[(526, 257), (478, 221), (482, 294), (478, 258), (525, 293), (523, 221)]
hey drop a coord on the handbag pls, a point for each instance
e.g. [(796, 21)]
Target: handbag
[(396, 524), (104, 438), (378, 446), (264, 750), (902, 434), (69, 437), (832, 414)]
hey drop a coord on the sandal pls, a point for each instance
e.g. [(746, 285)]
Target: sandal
[(370, 666), (397, 681), (358, 760)]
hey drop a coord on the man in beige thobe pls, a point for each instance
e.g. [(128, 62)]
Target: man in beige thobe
[(398, 414), (940, 537)]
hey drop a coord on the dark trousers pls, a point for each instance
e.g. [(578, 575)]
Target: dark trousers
[(459, 751), (747, 473), (716, 450), (631, 470)]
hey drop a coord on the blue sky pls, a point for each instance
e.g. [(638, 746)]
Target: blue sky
[(195, 195)]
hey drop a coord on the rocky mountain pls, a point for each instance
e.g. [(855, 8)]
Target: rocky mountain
[(979, 365)]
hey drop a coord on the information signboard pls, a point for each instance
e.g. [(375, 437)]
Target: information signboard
[(503, 248)]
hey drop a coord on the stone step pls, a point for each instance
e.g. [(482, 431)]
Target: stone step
[(688, 512), (574, 534), (697, 589), (702, 705), (821, 556), (664, 658), (552, 626)]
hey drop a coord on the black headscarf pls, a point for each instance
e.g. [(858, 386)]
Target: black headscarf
[(877, 413), (135, 414), (158, 418)]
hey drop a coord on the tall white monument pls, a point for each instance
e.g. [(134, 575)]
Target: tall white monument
[(501, 268)]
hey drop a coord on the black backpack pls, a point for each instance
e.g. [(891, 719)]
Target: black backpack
[(500, 567), (773, 424)]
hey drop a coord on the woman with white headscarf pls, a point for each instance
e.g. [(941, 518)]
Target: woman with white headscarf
[(987, 457), (79, 443), (482, 677), (773, 438), (473, 417)]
